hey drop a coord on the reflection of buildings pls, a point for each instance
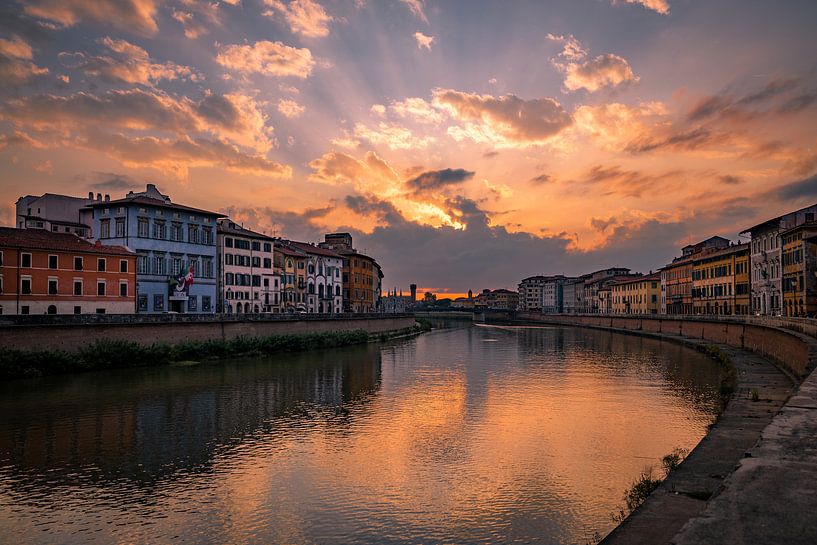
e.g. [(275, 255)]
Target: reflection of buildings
[(142, 425)]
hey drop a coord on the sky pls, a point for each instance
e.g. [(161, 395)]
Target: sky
[(464, 144)]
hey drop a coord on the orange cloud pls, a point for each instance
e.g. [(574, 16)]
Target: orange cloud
[(290, 108), (582, 72), (423, 40), (267, 58), (417, 8), (304, 17), (392, 136), (658, 6), (128, 15)]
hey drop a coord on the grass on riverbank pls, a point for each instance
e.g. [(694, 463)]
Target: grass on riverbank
[(123, 354)]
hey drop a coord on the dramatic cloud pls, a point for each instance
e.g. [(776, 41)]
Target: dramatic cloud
[(413, 108), (372, 174), (540, 179), (806, 188), (16, 67), (131, 65), (290, 108), (135, 16), (687, 140), (108, 181), (506, 121), (614, 125), (87, 121), (437, 179), (777, 97), (392, 136), (305, 17), (423, 40), (267, 58), (658, 6), (583, 72), (613, 180), (417, 8)]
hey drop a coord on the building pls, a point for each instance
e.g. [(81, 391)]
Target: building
[(56, 213), (290, 267), (553, 294), (324, 283), (766, 259), (175, 247), (247, 282), (573, 295), (394, 302), (720, 281), (597, 280), (531, 293), (640, 295), (362, 275), (44, 272), (464, 302), (676, 277), (500, 299), (799, 259)]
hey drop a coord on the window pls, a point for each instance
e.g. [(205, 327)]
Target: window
[(206, 303), (159, 230), (24, 309), (256, 246), (77, 310), (160, 264), (77, 263), (123, 289), (267, 247), (123, 265), (228, 242), (176, 232), (191, 303), (25, 261), (228, 259), (101, 264), (206, 235), (207, 267), (256, 261), (177, 266), (100, 311), (158, 301), (25, 285), (52, 309), (142, 264), (142, 303), (142, 228), (193, 234), (267, 263), (100, 287), (52, 262), (228, 279), (120, 227), (52, 286), (77, 287)]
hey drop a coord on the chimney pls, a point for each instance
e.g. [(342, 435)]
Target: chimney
[(99, 196), (151, 187), (107, 197), (90, 195)]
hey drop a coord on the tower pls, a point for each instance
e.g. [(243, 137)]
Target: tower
[(413, 293)]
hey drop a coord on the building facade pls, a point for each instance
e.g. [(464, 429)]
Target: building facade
[(362, 275), (573, 295), (636, 295), (766, 248), (44, 272), (57, 213), (676, 277), (799, 260), (720, 282), (553, 294), (247, 282), (597, 280), (324, 280), (290, 266), (175, 247), (531, 293)]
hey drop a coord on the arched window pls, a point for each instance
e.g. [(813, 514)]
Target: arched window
[(311, 268), (320, 291), (289, 263), (52, 309), (311, 288), (337, 289)]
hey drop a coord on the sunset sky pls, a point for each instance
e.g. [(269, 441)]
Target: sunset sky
[(465, 144)]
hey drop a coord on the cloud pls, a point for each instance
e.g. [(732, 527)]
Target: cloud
[(540, 179), (131, 126), (393, 136), (16, 67), (136, 16), (267, 58), (613, 125), (107, 181), (16, 48), (805, 188), (777, 96), (305, 17), (290, 108), (690, 139), (132, 64), (592, 74), (423, 40), (437, 179), (613, 180), (370, 175), (414, 108), (506, 121), (658, 6), (417, 8), (308, 225), (729, 179)]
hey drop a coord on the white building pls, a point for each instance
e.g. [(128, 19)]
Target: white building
[(57, 213), (531, 293), (247, 283), (324, 278)]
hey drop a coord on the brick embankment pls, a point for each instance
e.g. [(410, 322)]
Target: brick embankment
[(753, 478), (71, 337)]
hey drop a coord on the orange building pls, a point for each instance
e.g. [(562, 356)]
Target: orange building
[(59, 273), (362, 275)]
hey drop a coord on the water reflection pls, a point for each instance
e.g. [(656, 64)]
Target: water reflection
[(468, 435)]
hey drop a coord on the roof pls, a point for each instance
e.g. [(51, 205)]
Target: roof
[(147, 201), (285, 250), (40, 239), (59, 222), (721, 252), (701, 243), (312, 249), (648, 277), (226, 225), (775, 222)]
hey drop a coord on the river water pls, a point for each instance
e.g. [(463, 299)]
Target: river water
[(465, 435)]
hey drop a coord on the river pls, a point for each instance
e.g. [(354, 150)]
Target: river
[(465, 435)]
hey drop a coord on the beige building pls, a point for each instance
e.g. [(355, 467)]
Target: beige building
[(640, 295)]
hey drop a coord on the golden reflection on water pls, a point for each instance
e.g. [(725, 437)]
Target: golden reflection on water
[(476, 435)]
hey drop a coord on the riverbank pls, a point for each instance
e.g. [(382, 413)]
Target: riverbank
[(119, 353), (750, 479)]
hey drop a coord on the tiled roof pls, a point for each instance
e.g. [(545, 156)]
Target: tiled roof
[(40, 239), (310, 249), (147, 201), (229, 226)]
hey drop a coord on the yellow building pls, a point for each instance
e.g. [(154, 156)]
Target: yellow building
[(799, 263), (720, 282), (636, 295)]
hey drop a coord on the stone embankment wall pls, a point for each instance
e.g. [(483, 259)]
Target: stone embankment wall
[(73, 336), (780, 340)]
